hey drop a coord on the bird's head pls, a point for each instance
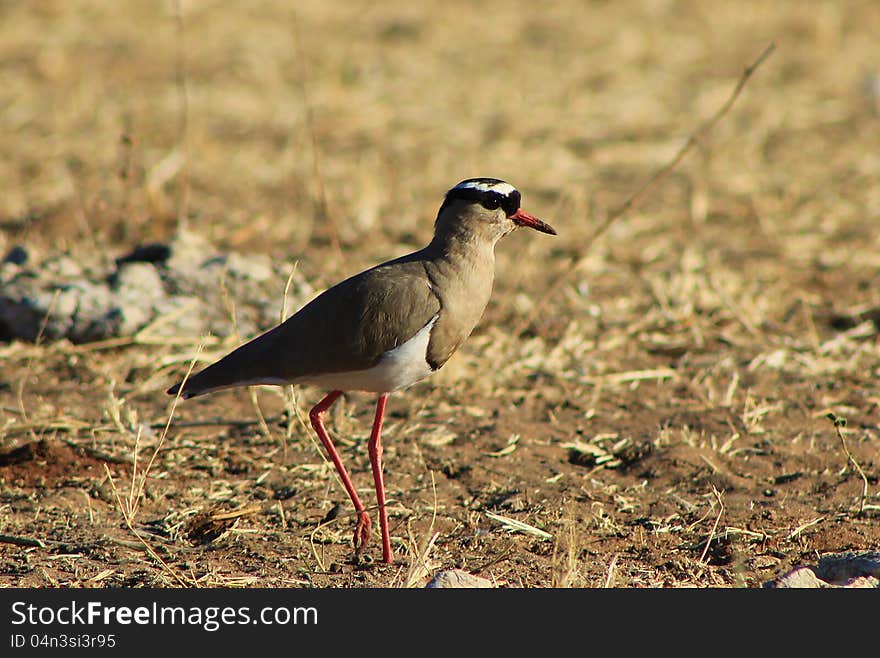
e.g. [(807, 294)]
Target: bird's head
[(485, 206)]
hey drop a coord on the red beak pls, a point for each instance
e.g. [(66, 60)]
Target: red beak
[(522, 218)]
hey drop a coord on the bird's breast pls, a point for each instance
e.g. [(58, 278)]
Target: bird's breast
[(463, 297)]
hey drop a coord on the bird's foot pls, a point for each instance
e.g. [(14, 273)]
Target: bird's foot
[(362, 532)]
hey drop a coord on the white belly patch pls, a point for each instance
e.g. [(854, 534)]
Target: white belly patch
[(398, 368)]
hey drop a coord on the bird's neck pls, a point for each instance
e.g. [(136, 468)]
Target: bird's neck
[(466, 265), (462, 250)]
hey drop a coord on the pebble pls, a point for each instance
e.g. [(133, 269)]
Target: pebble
[(456, 578)]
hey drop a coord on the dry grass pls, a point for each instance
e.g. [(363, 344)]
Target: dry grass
[(687, 356)]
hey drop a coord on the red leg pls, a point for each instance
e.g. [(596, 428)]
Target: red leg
[(375, 449), (362, 531)]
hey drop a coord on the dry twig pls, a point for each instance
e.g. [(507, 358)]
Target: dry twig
[(839, 424), (128, 518), (717, 495), (130, 507), (580, 258), (324, 211), (419, 566), (609, 575)]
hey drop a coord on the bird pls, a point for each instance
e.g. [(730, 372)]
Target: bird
[(384, 329)]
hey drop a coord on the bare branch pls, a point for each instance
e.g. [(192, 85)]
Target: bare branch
[(579, 260)]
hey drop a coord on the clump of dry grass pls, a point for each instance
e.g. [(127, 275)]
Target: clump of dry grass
[(130, 504)]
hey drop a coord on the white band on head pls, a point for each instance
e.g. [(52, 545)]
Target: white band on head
[(500, 187)]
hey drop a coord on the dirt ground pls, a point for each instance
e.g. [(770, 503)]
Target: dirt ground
[(656, 418)]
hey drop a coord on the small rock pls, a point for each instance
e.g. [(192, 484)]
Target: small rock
[(18, 255), (155, 252), (189, 315), (800, 578), (61, 269), (456, 578), (18, 320), (844, 570), (139, 291), (94, 316), (188, 251)]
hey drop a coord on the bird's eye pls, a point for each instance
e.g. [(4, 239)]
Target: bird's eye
[(510, 206), (491, 203)]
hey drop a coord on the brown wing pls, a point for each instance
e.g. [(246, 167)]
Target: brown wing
[(348, 327)]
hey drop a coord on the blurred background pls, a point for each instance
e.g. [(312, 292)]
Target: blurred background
[(285, 126)]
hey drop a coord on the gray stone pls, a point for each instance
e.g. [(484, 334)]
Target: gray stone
[(183, 288), (139, 292), (456, 578), (844, 570), (799, 578), (18, 255)]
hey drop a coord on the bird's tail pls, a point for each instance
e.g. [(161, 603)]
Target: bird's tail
[(208, 380), (242, 367)]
